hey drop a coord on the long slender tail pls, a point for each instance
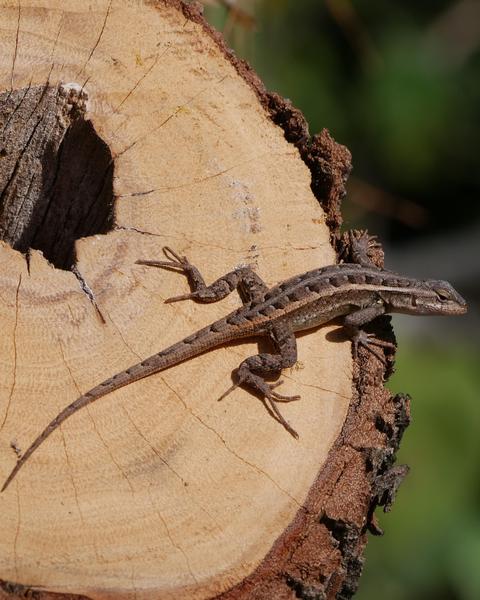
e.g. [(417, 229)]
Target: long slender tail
[(201, 341)]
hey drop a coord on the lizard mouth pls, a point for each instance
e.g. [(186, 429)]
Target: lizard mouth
[(461, 309), (452, 308)]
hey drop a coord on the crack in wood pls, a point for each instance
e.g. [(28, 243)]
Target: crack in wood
[(97, 42), (88, 291), (177, 110), (14, 341), (15, 51), (17, 532), (139, 81), (172, 541)]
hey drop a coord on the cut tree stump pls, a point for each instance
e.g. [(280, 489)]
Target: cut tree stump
[(128, 125)]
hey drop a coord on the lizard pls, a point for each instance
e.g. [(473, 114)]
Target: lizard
[(358, 291)]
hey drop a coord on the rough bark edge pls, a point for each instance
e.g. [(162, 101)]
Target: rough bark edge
[(319, 556)]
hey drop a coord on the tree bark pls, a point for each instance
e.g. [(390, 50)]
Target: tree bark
[(127, 126)]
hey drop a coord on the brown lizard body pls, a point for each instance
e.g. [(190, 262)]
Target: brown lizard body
[(359, 292)]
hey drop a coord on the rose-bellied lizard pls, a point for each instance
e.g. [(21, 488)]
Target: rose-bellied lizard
[(358, 291)]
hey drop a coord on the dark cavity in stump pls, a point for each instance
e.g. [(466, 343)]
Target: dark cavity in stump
[(56, 173)]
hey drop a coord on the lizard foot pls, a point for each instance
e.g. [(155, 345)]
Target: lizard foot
[(270, 397), (359, 247), (281, 397), (369, 341), (175, 262)]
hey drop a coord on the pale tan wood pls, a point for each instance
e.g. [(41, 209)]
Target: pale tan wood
[(158, 490)]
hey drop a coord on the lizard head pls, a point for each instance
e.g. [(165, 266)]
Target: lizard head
[(436, 297)]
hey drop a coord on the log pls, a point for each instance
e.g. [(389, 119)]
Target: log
[(127, 126)]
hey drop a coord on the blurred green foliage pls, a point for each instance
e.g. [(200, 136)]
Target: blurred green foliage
[(399, 84)]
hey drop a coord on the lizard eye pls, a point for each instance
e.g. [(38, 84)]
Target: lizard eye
[(443, 295)]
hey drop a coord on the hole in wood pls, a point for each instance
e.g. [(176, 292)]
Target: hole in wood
[(56, 173)]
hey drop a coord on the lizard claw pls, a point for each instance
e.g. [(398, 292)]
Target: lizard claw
[(368, 341), (178, 260), (359, 247), (269, 398), (362, 239), (280, 397), (175, 261), (270, 403)]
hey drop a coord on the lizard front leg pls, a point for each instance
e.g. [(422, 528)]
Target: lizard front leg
[(252, 371), (353, 323), (249, 284), (361, 248)]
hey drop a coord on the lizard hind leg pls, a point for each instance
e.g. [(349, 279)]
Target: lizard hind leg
[(361, 248), (251, 374)]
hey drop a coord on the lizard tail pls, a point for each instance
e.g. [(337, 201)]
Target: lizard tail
[(59, 419), (95, 393), (196, 344)]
